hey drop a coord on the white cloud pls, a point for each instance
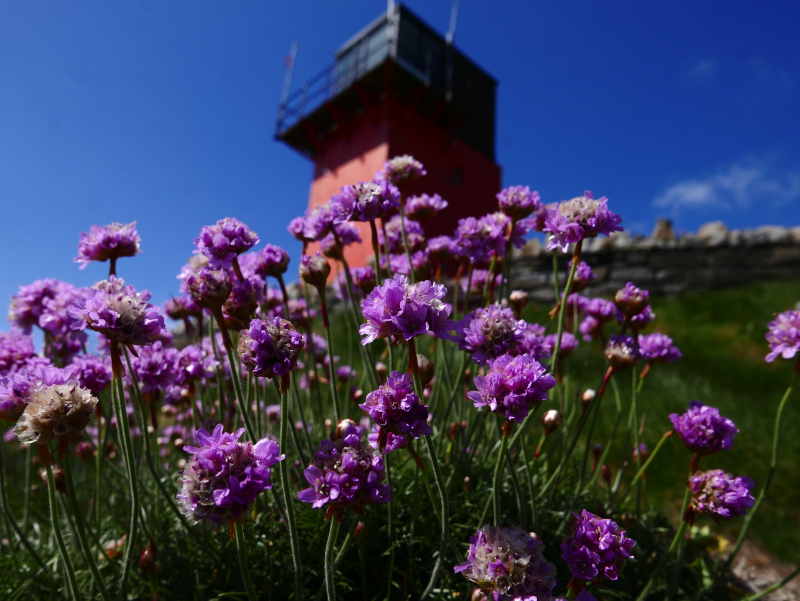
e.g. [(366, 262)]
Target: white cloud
[(739, 186)]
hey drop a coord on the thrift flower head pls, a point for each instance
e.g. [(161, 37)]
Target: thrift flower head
[(31, 302), (394, 235), (156, 367), (512, 386), (489, 332), (182, 307), (631, 300), (442, 248), (596, 547), (60, 411), (583, 275), (16, 388), (224, 476), (703, 430), (272, 261), (119, 313), (209, 288), (401, 310), (580, 218), (91, 371), (366, 201), (15, 348), (242, 302), (343, 234), (622, 352), (508, 564), (393, 441), (403, 168), (396, 408), (104, 242), (518, 299), (269, 347), (601, 309), (641, 320), (658, 347), (533, 344), (720, 495), (424, 207), (345, 472), (314, 270), (784, 336), (420, 263), (518, 202), (224, 241), (478, 239), (568, 344)]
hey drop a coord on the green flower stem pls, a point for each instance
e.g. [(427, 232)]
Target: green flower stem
[(26, 499), (576, 258), (555, 275), (242, 549), (467, 292), (376, 250), (81, 529), (635, 409), (485, 300), (770, 474), (329, 337), (389, 533), (646, 464), (235, 376), (498, 469), (283, 472), (773, 588), (330, 588), (99, 450), (124, 433), (10, 516), (62, 547), (405, 241)]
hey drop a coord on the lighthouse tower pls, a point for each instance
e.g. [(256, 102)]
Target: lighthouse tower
[(398, 87)]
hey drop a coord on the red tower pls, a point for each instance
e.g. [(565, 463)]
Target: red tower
[(398, 87)]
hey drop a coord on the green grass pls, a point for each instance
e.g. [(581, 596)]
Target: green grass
[(721, 335)]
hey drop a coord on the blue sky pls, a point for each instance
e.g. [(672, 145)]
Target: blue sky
[(163, 112)]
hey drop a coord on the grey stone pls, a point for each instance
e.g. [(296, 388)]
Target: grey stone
[(771, 234), (664, 231), (714, 233)]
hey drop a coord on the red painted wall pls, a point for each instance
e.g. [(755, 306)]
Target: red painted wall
[(357, 149)]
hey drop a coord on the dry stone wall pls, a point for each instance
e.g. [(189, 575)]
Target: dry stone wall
[(714, 257)]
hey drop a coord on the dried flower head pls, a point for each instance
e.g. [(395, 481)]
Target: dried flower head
[(596, 548), (401, 169), (270, 347), (105, 242), (60, 411), (622, 352), (314, 270), (703, 430), (224, 476), (210, 288), (720, 495), (508, 563)]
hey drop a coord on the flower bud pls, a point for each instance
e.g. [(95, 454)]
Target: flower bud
[(631, 300), (382, 371), (209, 288), (597, 450), (242, 302), (518, 299), (84, 451), (315, 270), (605, 472), (452, 431), (466, 483), (588, 397), (552, 420), (361, 530), (59, 477), (641, 451), (426, 370), (147, 561), (342, 426), (622, 352)]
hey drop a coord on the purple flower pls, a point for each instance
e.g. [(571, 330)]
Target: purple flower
[(631, 300), (580, 218), (532, 343), (508, 563), (590, 328), (343, 234), (91, 371), (583, 275), (568, 344), (784, 336), (442, 248), (119, 313), (366, 201), (424, 207), (345, 472), (601, 309), (703, 430), (182, 307), (104, 242), (478, 239), (420, 262), (272, 261), (401, 310), (396, 408), (210, 288), (518, 202), (720, 495), (401, 169), (15, 348), (394, 442), (641, 320), (658, 347), (512, 386), (224, 241), (479, 277), (31, 302), (315, 269), (156, 367), (394, 235), (269, 348), (194, 363), (489, 332), (223, 477), (622, 352), (596, 547), (16, 388)]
